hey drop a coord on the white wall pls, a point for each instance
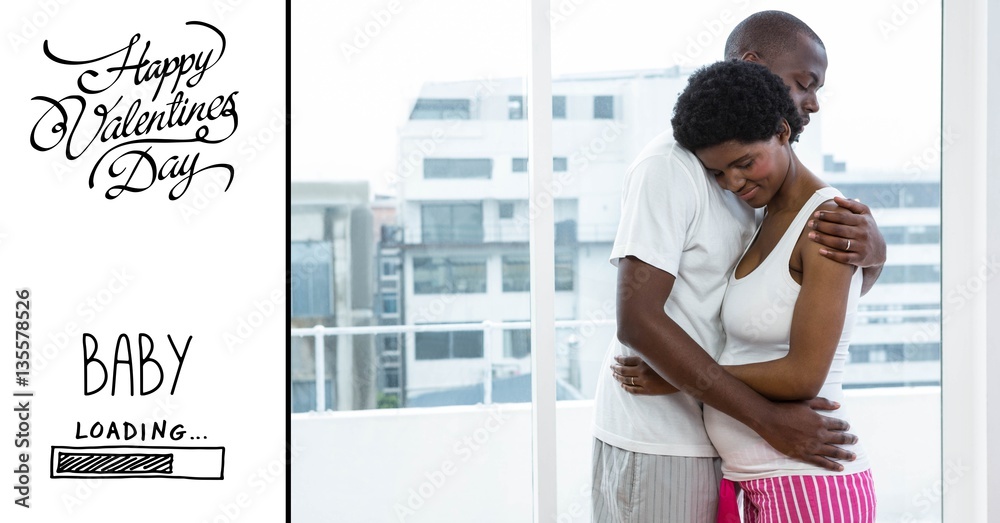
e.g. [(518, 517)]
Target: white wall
[(461, 464)]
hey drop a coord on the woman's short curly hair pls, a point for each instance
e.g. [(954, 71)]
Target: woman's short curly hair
[(733, 100)]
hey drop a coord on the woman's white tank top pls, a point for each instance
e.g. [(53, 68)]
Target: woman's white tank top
[(757, 317)]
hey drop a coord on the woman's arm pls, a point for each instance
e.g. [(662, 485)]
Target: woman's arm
[(817, 325)]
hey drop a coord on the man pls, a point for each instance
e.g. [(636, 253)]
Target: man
[(679, 237)]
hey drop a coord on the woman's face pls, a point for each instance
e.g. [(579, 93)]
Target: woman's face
[(753, 171)]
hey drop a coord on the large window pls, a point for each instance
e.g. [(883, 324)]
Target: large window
[(906, 274), (895, 352), (516, 275), (440, 109), (899, 193), (520, 165), (516, 343), (449, 345), (458, 168), (912, 234), (616, 71), (439, 275), (604, 107), (559, 107), (451, 223), (517, 110)]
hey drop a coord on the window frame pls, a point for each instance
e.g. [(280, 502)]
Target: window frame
[(969, 231)]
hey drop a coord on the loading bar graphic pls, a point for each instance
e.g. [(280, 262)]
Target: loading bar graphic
[(138, 462)]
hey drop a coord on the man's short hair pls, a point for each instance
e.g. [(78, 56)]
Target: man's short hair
[(768, 34)]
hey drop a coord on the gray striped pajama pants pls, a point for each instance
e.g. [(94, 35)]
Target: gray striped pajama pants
[(630, 487)]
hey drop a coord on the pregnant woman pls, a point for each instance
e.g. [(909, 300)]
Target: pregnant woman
[(788, 311)]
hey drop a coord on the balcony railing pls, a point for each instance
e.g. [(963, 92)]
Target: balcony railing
[(490, 363), (569, 362)]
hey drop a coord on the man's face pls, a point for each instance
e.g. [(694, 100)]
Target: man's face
[(804, 71)]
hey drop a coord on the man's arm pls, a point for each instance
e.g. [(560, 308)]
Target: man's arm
[(791, 428), (867, 246)]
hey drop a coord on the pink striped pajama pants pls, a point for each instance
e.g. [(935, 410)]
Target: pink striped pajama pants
[(792, 499)]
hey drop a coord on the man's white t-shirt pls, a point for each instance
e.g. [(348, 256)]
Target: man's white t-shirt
[(676, 218)]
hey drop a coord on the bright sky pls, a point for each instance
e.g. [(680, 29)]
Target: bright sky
[(351, 93)]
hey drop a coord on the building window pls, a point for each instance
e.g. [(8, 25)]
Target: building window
[(440, 109), (506, 210), (390, 268), (559, 107), (894, 194), (895, 352), (910, 274), (518, 110), (912, 234), (831, 165), (517, 343), (516, 275), (515, 107), (451, 223), (520, 165), (604, 107), (437, 275), (312, 281), (390, 304), (891, 313), (564, 272), (449, 168), (391, 378), (448, 345)]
